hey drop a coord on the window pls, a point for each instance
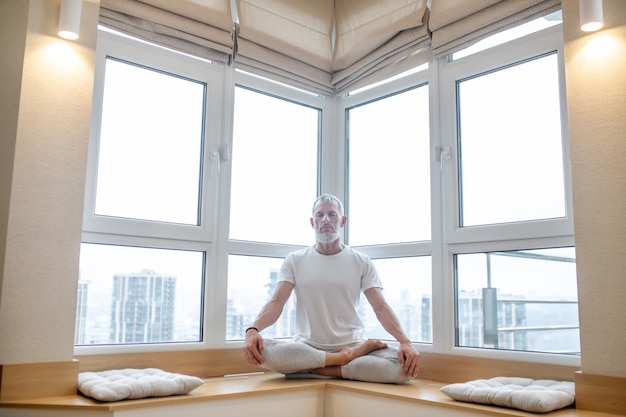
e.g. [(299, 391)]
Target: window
[(276, 136), (274, 174), (518, 300), (407, 287), (505, 188), (149, 207), (454, 176), (150, 154), (389, 169), (510, 144), (389, 183), (251, 283), (140, 295)]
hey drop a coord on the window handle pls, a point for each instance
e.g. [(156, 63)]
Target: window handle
[(215, 156), (220, 155), (442, 153)]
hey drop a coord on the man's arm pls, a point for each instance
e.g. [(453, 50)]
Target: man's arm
[(271, 311), (409, 357)]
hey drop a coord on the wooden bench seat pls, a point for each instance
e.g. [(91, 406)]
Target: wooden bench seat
[(26, 389), (270, 394)]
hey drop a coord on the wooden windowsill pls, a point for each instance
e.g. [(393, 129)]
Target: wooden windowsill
[(419, 391), (30, 385)]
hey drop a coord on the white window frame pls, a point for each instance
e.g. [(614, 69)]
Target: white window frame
[(140, 233), (151, 56), (518, 50), (448, 238), (498, 237), (404, 249), (229, 246)]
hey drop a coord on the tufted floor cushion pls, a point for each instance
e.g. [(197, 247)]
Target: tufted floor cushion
[(128, 384), (538, 396)]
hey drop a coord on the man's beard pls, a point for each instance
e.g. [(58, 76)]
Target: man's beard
[(322, 237)]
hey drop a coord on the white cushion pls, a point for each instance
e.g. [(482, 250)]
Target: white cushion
[(123, 384), (538, 396)]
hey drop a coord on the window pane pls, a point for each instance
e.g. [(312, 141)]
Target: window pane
[(407, 288), (138, 295), (518, 300), (274, 174), (150, 145), (251, 283), (510, 150), (389, 170)]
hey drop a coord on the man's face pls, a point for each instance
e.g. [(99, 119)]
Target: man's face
[(327, 221)]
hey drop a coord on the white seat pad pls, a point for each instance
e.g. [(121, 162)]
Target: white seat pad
[(126, 384), (538, 396)]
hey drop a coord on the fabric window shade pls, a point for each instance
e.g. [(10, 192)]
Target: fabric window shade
[(202, 28), (325, 47), (294, 41), (457, 24), (266, 62), (378, 39), (290, 41)]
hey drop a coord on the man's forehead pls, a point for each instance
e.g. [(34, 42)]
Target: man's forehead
[(326, 206)]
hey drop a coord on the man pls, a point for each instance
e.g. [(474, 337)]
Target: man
[(328, 279)]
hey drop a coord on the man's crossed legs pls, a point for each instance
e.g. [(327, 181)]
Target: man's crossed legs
[(371, 361)]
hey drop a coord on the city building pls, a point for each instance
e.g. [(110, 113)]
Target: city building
[(81, 312), (142, 308)]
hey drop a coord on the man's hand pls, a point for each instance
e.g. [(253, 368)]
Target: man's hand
[(409, 359), (253, 347)]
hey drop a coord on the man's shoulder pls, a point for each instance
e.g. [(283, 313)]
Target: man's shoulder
[(356, 253), (299, 253)]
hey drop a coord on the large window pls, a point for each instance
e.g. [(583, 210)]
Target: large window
[(276, 143), (389, 202), (508, 233), (455, 180), (149, 208)]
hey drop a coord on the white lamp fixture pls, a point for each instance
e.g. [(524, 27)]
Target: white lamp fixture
[(591, 18), (69, 19)]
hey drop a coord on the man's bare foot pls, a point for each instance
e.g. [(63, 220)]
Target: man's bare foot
[(348, 354)]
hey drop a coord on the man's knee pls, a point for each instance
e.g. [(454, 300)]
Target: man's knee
[(374, 369), (287, 358)]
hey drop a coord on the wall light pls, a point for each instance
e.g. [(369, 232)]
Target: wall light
[(591, 17), (69, 19)]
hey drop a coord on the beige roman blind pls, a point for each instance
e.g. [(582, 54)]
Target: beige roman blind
[(202, 28), (326, 47), (457, 24), (290, 41), (378, 39), (329, 46)]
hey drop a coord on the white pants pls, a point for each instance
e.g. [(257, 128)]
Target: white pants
[(381, 365)]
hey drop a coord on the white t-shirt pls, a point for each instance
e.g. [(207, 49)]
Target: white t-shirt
[(328, 290)]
